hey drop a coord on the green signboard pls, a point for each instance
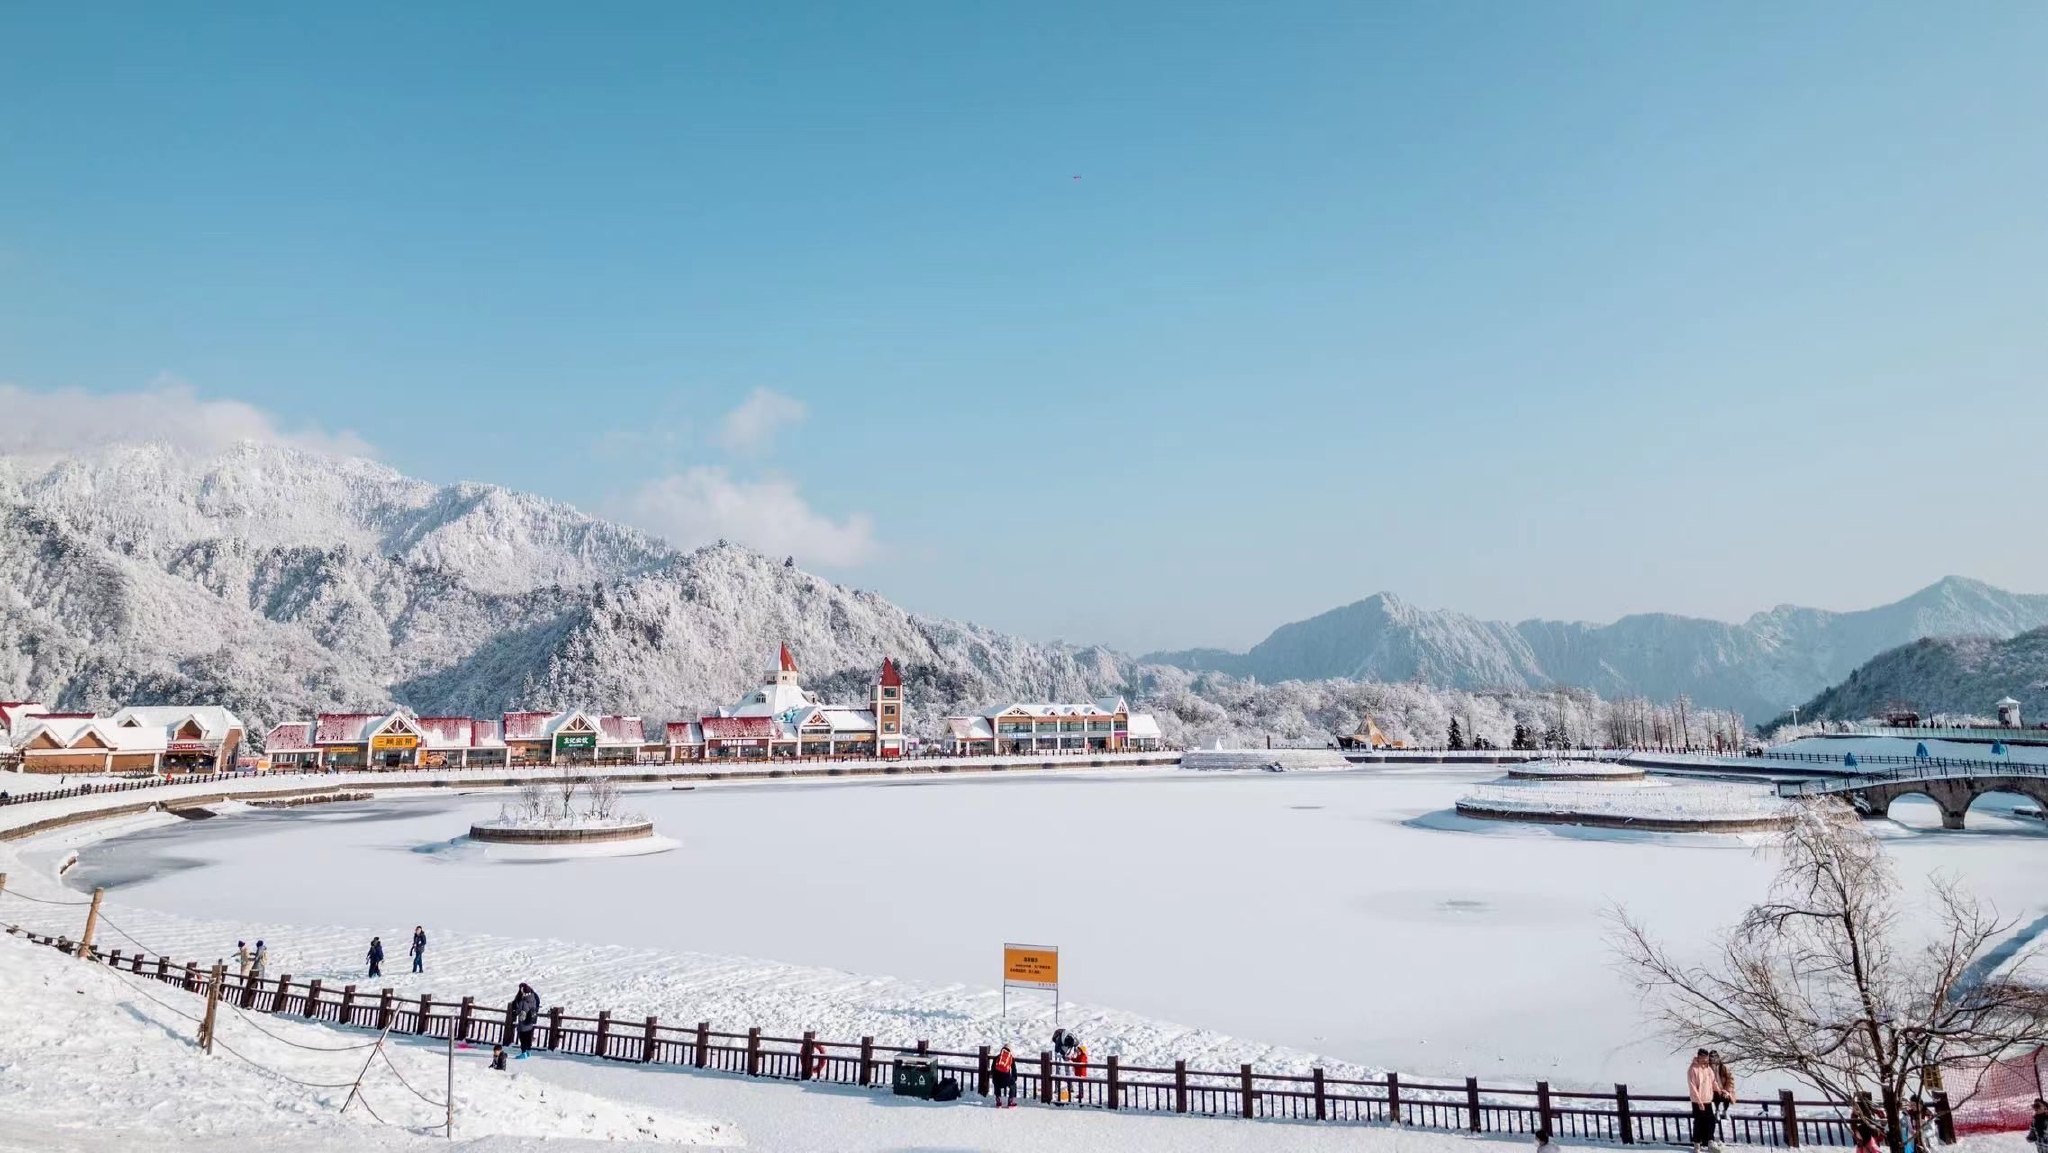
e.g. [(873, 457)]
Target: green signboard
[(576, 741)]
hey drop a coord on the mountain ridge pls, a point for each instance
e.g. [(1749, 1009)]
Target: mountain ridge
[(1761, 665)]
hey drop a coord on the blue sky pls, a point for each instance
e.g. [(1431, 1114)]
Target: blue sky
[(1153, 324)]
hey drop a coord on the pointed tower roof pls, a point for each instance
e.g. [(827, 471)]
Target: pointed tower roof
[(890, 677), (788, 662)]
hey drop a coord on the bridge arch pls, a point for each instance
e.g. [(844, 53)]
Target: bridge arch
[(2006, 796), (1944, 815)]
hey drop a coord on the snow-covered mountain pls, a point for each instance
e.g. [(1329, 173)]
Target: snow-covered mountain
[(280, 582), (1955, 675), (1767, 663)]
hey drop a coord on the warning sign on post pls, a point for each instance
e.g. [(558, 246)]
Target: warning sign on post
[(1031, 966)]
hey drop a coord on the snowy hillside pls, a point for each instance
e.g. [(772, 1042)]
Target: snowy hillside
[(1962, 675), (280, 582), (1771, 661)]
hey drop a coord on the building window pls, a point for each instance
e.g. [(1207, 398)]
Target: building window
[(888, 710), (889, 693)]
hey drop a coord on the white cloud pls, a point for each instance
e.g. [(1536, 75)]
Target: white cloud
[(705, 503), (755, 422), (69, 420)]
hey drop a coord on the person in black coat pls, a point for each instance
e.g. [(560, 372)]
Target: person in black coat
[(376, 956), (419, 948), (525, 1011)]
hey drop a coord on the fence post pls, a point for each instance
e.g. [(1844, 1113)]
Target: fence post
[(924, 1048), (1788, 1115), (1244, 1088), (384, 1013), (1180, 1086), (703, 1043), (806, 1050), (754, 1051), (867, 1061), (163, 969), (554, 1027), (348, 1004), (1322, 1111), (313, 998), (1115, 1081), (604, 1033), (1944, 1120), (114, 959), (426, 1011), (981, 1071), (1472, 1102), (1394, 1098), (647, 1046), (1543, 1105), (1044, 1077), (191, 976), (462, 1020), (1622, 1120), (284, 989)]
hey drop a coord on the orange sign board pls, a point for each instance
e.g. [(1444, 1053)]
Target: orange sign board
[(393, 741), (1031, 966)]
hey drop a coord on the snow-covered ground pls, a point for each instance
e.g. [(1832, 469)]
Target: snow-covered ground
[(1342, 919), (1653, 798), (1576, 768), (94, 1059)]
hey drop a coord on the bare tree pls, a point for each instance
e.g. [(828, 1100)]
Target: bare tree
[(1817, 981), (601, 798), (566, 784), (533, 801)]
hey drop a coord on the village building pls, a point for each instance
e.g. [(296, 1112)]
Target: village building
[(153, 738), (782, 719), (1104, 725), (401, 740)]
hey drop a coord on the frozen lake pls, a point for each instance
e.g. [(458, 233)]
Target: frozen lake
[(1341, 914)]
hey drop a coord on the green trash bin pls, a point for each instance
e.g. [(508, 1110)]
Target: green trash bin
[(913, 1077)]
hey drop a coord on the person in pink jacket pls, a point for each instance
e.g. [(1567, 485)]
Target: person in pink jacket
[(1701, 1084)]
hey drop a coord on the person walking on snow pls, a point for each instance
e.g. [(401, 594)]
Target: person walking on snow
[(242, 960), (256, 961), (1700, 1087), (1004, 1076), (525, 1010), (376, 956), (419, 948)]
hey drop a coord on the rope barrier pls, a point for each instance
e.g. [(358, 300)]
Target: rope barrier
[(41, 901), (244, 1015), (408, 1085)]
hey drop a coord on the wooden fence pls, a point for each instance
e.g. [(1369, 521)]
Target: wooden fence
[(1620, 1117)]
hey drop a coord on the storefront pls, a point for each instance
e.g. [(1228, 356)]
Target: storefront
[(394, 750), (575, 748)]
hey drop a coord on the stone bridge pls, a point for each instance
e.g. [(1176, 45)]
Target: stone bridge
[(1953, 788)]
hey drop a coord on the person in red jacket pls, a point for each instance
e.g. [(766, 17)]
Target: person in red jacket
[(1003, 1075), (1081, 1062)]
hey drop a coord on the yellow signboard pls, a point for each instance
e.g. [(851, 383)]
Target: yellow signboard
[(1031, 966), (387, 741)]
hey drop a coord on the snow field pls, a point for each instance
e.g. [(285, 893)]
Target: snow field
[(1652, 798), (84, 1048)]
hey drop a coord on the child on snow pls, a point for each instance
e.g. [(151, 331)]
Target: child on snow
[(498, 1057)]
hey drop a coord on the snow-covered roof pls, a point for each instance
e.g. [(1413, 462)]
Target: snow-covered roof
[(445, 732), (773, 699), (1144, 726), (527, 726), (1108, 706), (969, 729), (344, 728), (740, 728), (484, 735), (685, 733), (73, 730), (290, 737), (834, 717), (615, 730), (2006, 703), (215, 722), (15, 713)]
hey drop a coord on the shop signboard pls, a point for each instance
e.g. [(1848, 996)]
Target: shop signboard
[(189, 747), (576, 741), (393, 742)]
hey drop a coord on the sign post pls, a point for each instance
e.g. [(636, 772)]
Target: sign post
[(1031, 967)]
